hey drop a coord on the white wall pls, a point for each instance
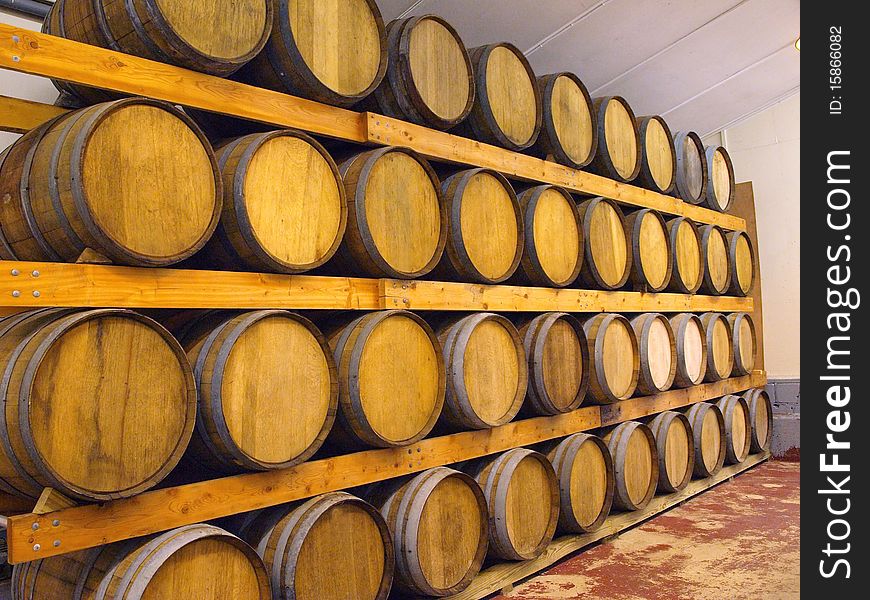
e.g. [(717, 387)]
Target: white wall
[(765, 150), (19, 85)]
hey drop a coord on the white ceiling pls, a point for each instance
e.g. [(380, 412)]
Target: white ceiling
[(702, 64)]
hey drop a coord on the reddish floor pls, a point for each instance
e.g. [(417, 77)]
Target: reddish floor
[(738, 541)]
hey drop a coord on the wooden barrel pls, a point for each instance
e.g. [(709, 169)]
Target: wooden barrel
[(688, 270), (708, 433), (115, 383), (257, 410), (676, 450), (721, 188), (691, 349), (332, 547), (651, 256), (284, 209), (211, 37), (658, 352), (761, 417), (553, 253), (522, 495), (396, 226), (508, 110), (568, 134), (717, 263), (743, 341), (619, 148), (194, 561), (332, 51), (391, 379), (584, 469), (439, 525), (485, 228), (614, 357), (738, 428), (429, 79), (558, 363), (691, 182), (741, 259), (720, 351), (607, 247), (83, 182), (635, 464), (487, 374), (658, 166)]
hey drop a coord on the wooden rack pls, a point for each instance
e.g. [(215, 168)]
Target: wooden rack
[(25, 285)]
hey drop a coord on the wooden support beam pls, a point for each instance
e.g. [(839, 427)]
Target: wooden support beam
[(32, 536), (20, 116), (40, 54), (502, 575), (438, 295)]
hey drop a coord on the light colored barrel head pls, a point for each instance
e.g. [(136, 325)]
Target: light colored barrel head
[(619, 358), (235, 27), (711, 440), (654, 250), (608, 243), (688, 255), (572, 119), (588, 483), (677, 451), (439, 69), (529, 505), (490, 225), (638, 466), (660, 154), (557, 237), (492, 371), (621, 138), (512, 95), (562, 364)]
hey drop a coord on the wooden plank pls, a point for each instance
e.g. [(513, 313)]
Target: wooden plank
[(436, 295), (20, 116), (83, 285), (40, 54), (50, 500), (502, 575), (159, 510), (439, 145), (744, 206)]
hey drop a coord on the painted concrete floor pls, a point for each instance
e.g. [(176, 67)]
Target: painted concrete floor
[(738, 541)]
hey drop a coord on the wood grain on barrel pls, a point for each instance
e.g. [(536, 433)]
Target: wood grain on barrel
[(720, 357), (528, 507), (607, 261), (554, 237), (722, 188), (708, 431), (711, 440), (691, 166), (714, 248), (562, 364), (234, 28), (743, 341), (512, 96), (614, 357), (440, 69), (651, 257), (761, 418), (676, 450), (691, 349), (568, 134), (618, 141), (658, 352), (585, 471), (688, 262), (658, 153), (741, 258), (635, 461), (738, 428)]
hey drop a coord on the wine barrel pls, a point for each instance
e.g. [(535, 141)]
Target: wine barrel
[(708, 433), (123, 381), (691, 349), (72, 576), (717, 264), (658, 167), (741, 259), (614, 357), (522, 494), (429, 78), (743, 342), (761, 416), (619, 148), (607, 248), (487, 374), (721, 188), (553, 253), (82, 182), (438, 521), (257, 410), (211, 37), (651, 256), (485, 228), (568, 134), (284, 209), (396, 227), (194, 561), (332, 51), (720, 352), (658, 352), (691, 182), (676, 450), (584, 469), (558, 363), (507, 111), (687, 261), (635, 464), (391, 379), (332, 547), (738, 428)]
